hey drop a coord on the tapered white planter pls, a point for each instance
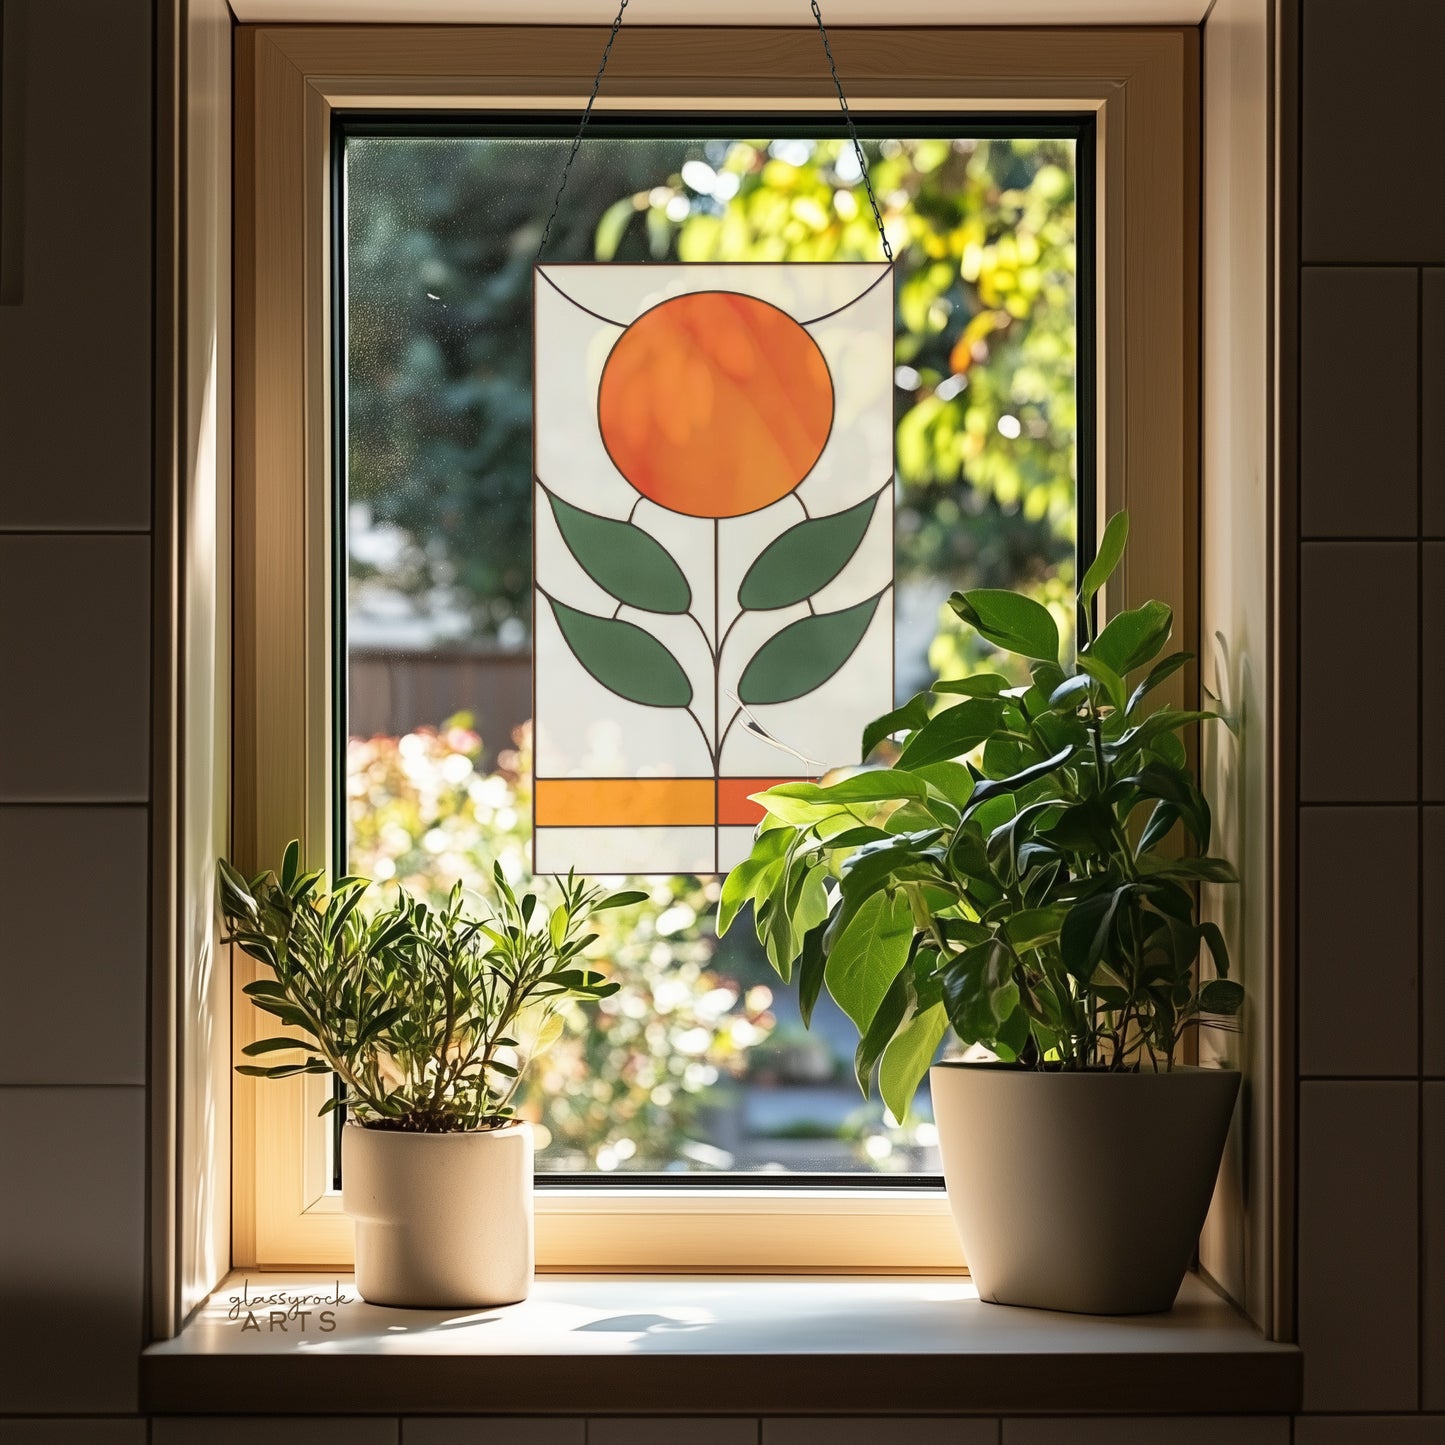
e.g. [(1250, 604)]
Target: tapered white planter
[(1080, 1191), (443, 1221)]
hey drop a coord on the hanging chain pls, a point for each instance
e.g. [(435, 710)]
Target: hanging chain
[(842, 103), (581, 129), (852, 132)]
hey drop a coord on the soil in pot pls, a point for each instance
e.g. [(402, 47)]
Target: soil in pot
[(1080, 1191), (443, 1221)]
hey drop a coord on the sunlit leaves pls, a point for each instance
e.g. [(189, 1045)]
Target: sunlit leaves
[(1010, 621), (1022, 896), (417, 1010)]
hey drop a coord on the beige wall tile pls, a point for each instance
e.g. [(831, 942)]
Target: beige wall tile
[(682, 1430), (74, 669), (1156, 1430), (1358, 600), (275, 1430), (1432, 947), (93, 1430), (498, 1430), (1347, 855), (1359, 1260), (1432, 420), (871, 1430), (1369, 1430), (72, 1248), (1358, 434), (1432, 1266), (1373, 106), (74, 894), (75, 407), (1432, 675)]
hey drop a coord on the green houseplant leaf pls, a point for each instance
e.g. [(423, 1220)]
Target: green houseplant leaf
[(805, 558), (804, 655), (865, 960), (907, 1057), (1014, 623), (1106, 559), (416, 1010), (952, 733), (1034, 899), (622, 559), (623, 658), (1132, 638)]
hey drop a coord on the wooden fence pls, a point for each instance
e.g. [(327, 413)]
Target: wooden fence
[(392, 693)]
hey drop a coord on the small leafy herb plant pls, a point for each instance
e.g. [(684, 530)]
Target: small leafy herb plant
[(1024, 870), (427, 1016)]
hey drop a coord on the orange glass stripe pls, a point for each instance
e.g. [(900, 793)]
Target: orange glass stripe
[(614, 802), (735, 808)]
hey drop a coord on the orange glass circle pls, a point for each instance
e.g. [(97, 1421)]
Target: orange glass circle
[(715, 404)]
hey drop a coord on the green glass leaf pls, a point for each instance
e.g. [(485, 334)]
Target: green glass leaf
[(622, 559), (1011, 621), (804, 655), (623, 658), (805, 558)]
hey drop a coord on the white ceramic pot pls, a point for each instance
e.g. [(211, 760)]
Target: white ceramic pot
[(1080, 1191), (443, 1221)]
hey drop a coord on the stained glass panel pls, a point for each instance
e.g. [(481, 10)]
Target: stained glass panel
[(713, 514)]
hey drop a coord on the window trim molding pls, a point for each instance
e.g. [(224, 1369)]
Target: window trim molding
[(1143, 85)]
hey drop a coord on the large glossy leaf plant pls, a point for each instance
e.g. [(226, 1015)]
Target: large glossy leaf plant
[(1022, 868), (428, 1016)]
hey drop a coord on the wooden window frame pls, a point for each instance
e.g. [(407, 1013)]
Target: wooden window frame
[(1143, 87)]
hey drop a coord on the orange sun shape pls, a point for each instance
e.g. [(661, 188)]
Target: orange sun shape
[(715, 404)]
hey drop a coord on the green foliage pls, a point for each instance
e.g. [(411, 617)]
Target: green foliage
[(985, 350), (428, 1016), (625, 1084), (441, 238), (1016, 872)]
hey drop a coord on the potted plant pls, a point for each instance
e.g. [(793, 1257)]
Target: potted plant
[(428, 1017), (1022, 871)]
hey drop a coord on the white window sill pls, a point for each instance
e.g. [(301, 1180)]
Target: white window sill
[(614, 1344)]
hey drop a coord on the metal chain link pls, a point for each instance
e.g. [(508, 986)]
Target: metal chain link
[(852, 132), (581, 130), (842, 103)]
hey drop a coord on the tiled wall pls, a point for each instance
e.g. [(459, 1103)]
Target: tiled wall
[(75, 620), (75, 587), (1371, 1227)]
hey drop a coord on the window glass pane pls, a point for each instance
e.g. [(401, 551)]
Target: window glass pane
[(700, 1062)]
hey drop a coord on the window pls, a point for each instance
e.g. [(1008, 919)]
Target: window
[(436, 617), (700, 1065)]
